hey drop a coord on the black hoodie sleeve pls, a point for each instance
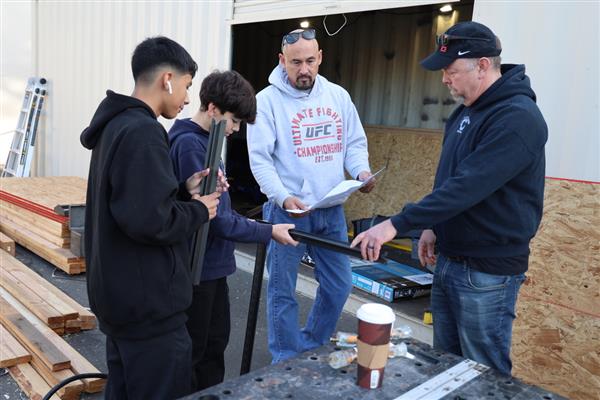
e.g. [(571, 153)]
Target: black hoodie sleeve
[(503, 153), (144, 190)]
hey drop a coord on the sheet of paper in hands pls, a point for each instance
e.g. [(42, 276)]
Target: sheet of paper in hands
[(338, 194)]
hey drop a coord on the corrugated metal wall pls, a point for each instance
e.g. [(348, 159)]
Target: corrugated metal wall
[(375, 57), (84, 48)]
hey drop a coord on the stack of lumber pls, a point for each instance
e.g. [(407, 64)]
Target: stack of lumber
[(53, 307), (27, 215), (36, 357)]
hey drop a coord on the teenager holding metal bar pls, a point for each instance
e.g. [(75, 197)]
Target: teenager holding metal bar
[(137, 226), (223, 96)]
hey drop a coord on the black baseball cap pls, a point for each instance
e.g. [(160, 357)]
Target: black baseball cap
[(463, 40)]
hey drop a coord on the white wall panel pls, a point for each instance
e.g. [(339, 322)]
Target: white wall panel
[(16, 66), (558, 43), (84, 48)]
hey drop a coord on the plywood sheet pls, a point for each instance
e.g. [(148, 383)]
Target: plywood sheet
[(411, 155), (48, 191), (556, 340)]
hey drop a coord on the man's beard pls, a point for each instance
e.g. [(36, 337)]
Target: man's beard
[(458, 98), (304, 82)]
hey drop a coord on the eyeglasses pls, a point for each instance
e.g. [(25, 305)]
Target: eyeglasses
[(293, 37), (442, 40)]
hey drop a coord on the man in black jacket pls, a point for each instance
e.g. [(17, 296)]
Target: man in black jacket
[(137, 226), (487, 199)]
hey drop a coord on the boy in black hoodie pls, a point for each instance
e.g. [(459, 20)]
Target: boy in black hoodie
[(223, 96), (487, 198), (137, 226)]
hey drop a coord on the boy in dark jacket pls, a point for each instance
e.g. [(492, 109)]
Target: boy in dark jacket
[(137, 226), (223, 96)]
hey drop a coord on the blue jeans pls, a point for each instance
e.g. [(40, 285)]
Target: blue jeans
[(332, 272), (473, 312)]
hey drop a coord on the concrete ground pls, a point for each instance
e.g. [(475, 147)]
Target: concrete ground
[(91, 344)]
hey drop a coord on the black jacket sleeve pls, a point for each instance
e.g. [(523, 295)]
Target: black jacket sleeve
[(502, 153)]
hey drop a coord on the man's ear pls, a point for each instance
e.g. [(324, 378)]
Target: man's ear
[(282, 59), (213, 111), (484, 64), (165, 77)]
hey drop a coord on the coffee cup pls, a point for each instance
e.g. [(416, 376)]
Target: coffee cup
[(374, 327)]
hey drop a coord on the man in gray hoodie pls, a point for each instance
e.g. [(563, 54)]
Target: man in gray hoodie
[(306, 133)]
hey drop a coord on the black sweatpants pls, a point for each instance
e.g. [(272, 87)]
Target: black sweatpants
[(209, 327), (157, 368)]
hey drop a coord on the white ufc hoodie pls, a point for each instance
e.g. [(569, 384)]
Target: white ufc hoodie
[(302, 141)]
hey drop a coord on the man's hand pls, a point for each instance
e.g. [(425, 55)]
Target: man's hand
[(294, 203), (211, 201), (426, 247), (372, 239), (281, 234), (192, 184), (363, 176)]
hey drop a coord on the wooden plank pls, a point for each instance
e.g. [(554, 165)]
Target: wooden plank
[(30, 382), (7, 244), (33, 226), (70, 391), (30, 337), (46, 290), (11, 351), (55, 228), (59, 299), (79, 364), (47, 191), (62, 258), (30, 299)]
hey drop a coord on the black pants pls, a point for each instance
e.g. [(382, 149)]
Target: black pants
[(209, 328), (156, 368)]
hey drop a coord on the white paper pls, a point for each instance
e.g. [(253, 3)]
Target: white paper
[(339, 194)]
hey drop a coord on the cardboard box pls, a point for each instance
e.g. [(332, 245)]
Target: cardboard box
[(391, 281)]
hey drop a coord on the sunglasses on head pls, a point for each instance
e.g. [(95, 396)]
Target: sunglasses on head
[(293, 37), (442, 40)]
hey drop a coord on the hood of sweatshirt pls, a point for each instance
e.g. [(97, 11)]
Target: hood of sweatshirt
[(112, 105), (183, 126), (279, 79), (513, 82)]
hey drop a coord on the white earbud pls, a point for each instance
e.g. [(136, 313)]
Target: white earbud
[(169, 87)]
